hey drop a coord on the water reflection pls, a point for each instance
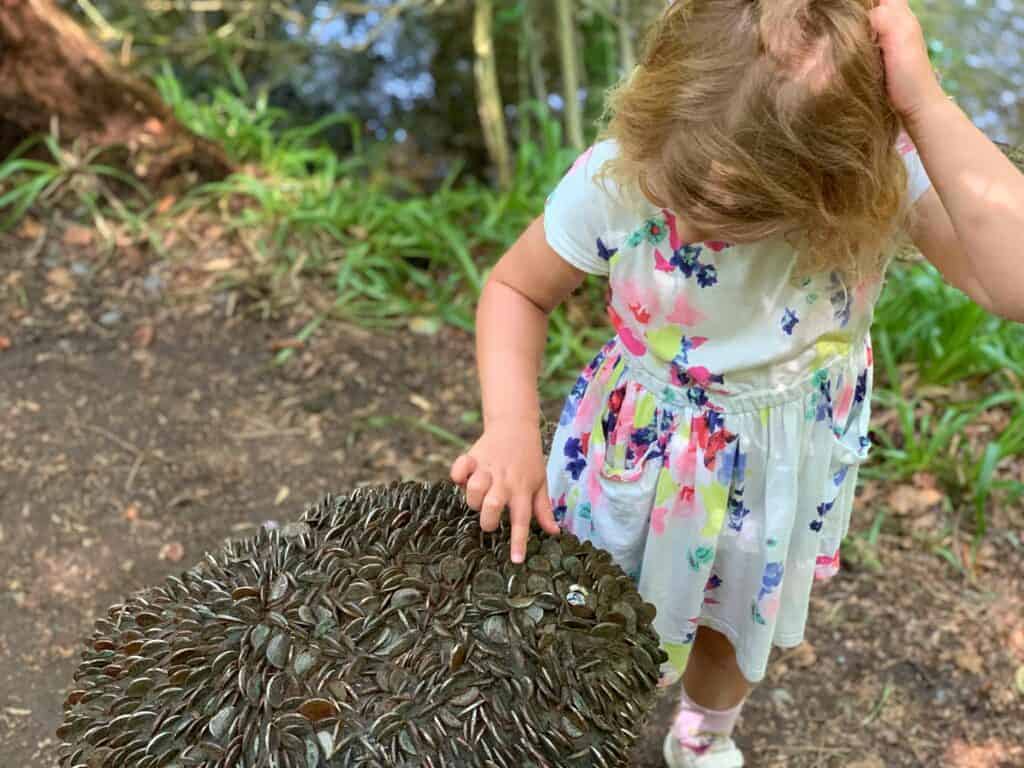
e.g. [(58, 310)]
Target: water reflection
[(979, 46)]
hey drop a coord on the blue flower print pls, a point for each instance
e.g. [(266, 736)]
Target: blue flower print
[(568, 412), (737, 512), (861, 392), (697, 396), (824, 410), (823, 509), (714, 420), (714, 582), (733, 467), (560, 510), (840, 476), (771, 579), (789, 321), (577, 461), (707, 276), (604, 252), (842, 301)]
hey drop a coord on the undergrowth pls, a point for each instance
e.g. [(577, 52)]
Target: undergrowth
[(389, 252)]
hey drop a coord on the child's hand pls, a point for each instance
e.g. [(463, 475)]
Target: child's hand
[(506, 468), (909, 76)]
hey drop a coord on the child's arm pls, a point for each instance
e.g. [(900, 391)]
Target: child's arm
[(506, 465), (971, 226)]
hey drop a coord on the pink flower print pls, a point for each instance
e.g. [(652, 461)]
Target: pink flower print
[(594, 492), (684, 464), (871, 356), (717, 245), (826, 567), (674, 241), (624, 423), (904, 145), (685, 313), (701, 375), (770, 606), (658, 515), (642, 302), (842, 407), (587, 409), (580, 161), (661, 263), (686, 508), (629, 339), (640, 313)]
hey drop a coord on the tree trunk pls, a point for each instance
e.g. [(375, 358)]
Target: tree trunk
[(570, 72), (50, 69), (627, 51), (489, 103)]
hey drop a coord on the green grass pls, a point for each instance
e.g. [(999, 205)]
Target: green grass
[(386, 252), (965, 363)]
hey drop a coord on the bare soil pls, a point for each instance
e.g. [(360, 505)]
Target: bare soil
[(138, 430)]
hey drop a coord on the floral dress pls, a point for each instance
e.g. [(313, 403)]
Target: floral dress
[(712, 445)]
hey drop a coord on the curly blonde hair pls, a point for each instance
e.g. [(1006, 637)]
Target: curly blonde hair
[(755, 119)]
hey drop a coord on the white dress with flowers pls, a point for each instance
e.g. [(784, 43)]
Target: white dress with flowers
[(712, 445)]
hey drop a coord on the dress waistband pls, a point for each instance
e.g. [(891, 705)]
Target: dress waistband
[(659, 384)]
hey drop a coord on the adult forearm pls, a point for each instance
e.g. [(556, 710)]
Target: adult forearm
[(983, 194), (511, 332)]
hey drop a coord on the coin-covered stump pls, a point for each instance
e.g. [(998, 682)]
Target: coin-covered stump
[(384, 629)]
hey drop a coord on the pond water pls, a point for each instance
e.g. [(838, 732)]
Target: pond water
[(411, 79), (420, 81), (978, 45)]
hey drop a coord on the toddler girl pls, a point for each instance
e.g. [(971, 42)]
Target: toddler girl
[(758, 166)]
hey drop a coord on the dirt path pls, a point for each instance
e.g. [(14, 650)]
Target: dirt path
[(135, 434)]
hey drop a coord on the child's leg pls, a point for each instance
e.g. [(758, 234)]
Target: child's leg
[(713, 693), (712, 678)]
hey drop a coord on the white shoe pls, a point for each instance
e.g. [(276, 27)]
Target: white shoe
[(721, 752)]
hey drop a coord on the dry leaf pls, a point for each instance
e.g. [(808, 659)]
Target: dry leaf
[(30, 229), (154, 126), (804, 655), (867, 762), (907, 499), (131, 513), (143, 336), (166, 204), (172, 551), (60, 277), (282, 494), (5, 343), (359, 233), (421, 402), (970, 661), (222, 264), (424, 326), (77, 235), (214, 232), (276, 345)]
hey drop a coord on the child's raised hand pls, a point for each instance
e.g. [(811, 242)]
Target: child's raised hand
[(506, 468), (910, 79)]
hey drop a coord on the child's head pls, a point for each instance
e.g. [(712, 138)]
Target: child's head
[(762, 118)]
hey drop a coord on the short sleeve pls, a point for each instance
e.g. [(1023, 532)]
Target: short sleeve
[(578, 213), (917, 177)]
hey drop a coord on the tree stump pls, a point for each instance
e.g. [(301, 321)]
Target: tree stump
[(50, 69)]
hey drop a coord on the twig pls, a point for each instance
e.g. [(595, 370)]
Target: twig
[(134, 471)]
